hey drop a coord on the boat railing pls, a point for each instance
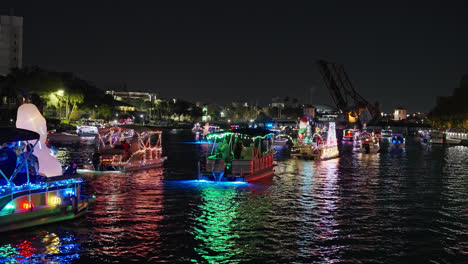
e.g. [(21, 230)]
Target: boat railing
[(246, 167)]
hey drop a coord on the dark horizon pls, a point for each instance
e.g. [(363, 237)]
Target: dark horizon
[(393, 54)]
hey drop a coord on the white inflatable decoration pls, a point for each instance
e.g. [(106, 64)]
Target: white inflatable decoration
[(30, 118)]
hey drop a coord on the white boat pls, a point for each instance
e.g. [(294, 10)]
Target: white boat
[(454, 138), (86, 130), (387, 133), (280, 141), (437, 137), (64, 137)]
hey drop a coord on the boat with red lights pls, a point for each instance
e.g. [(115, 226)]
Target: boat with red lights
[(348, 134), (239, 155), (368, 142), (29, 200), (128, 148)]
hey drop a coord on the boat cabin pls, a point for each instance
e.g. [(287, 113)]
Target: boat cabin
[(239, 155), (127, 148), (28, 199)]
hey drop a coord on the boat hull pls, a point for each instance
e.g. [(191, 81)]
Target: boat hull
[(267, 172), (45, 215)]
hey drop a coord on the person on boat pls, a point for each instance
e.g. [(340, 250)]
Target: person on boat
[(30, 166), (7, 161), (96, 159), (246, 153), (223, 151), (238, 149), (134, 147), (71, 169), (125, 145)]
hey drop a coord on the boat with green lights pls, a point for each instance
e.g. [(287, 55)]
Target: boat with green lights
[(40, 199), (240, 155)]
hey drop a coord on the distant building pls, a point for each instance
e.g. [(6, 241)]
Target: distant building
[(325, 109), (11, 43), (399, 114), (239, 103), (277, 102), (121, 96), (134, 101), (309, 111)]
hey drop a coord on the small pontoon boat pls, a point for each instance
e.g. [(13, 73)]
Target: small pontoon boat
[(348, 135), (239, 155), (316, 147), (397, 141), (39, 200), (128, 148), (368, 143)]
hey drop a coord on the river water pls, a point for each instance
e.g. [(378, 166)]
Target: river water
[(409, 206)]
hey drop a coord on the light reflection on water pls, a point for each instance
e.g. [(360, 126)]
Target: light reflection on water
[(391, 207)]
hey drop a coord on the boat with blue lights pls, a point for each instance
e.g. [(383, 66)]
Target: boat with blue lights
[(39, 199), (397, 141), (240, 155)]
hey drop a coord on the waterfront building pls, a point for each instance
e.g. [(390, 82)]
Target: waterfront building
[(277, 102), (11, 43), (399, 114), (309, 111), (142, 101)]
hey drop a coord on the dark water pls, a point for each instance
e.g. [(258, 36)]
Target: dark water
[(392, 207)]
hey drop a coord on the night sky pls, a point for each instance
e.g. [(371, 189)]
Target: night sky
[(398, 53)]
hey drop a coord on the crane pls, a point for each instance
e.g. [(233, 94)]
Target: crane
[(346, 98)]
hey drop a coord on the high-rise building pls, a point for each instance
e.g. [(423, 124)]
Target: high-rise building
[(11, 43)]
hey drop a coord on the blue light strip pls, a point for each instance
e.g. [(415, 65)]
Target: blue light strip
[(7, 189)]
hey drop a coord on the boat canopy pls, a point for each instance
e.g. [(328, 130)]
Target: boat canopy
[(130, 127), (246, 132), (11, 134)]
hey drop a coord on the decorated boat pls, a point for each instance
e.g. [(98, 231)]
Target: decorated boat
[(127, 148), (30, 197), (437, 137), (368, 142), (239, 155), (386, 133), (348, 134), (321, 145), (397, 141), (202, 131)]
